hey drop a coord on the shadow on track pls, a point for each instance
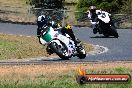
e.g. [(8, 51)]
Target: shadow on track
[(55, 59), (102, 37)]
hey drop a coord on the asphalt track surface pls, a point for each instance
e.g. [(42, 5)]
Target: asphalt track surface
[(119, 49)]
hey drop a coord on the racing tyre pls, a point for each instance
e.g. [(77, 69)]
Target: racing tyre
[(81, 52), (114, 32), (61, 51), (106, 35)]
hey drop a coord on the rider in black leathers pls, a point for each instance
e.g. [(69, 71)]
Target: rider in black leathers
[(92, 15)]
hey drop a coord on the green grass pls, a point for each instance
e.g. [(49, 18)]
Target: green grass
[(7, 48), (19, 47), (67, 80), (10, 45)]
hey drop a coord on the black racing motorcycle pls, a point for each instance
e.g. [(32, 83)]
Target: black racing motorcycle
[(105, 25)]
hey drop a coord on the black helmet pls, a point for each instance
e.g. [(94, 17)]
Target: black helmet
[(41, 21), (92, 8)]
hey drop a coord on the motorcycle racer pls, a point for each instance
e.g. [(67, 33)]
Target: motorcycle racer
[(92, 15), (102, 22), (42, 21)]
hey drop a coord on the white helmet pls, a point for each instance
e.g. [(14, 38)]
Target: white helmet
[(41, 18), (92, 8)]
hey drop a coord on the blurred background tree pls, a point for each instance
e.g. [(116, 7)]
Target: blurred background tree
[(127, 6), (111, 6), (47, 4), (108, 5), (50, 8)]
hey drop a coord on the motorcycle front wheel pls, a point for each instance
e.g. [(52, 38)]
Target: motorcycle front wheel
[(61, 51), (114, 31), (81, 52)]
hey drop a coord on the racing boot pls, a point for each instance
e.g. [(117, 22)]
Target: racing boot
[(77, 42), (78, 45), (39, 39)]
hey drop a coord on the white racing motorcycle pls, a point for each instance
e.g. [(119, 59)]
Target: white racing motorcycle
[(105, 25), (62, 45)]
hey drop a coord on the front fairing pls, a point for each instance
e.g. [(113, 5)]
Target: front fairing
[(104, 16), (49, 35)]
